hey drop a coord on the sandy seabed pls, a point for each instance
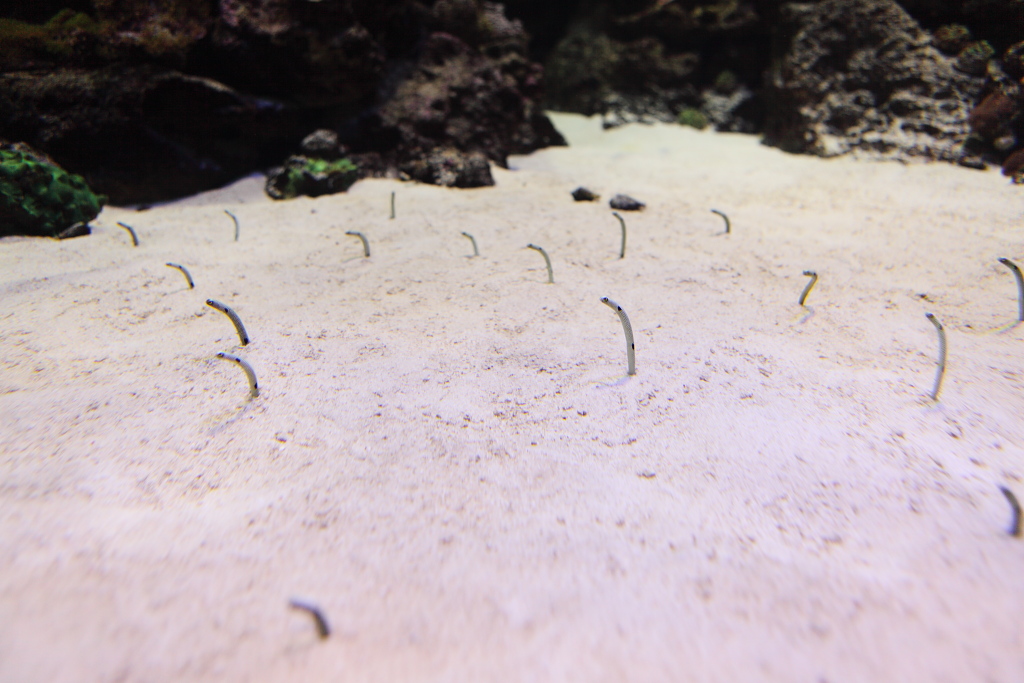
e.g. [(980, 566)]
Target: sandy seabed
[(448, 458)]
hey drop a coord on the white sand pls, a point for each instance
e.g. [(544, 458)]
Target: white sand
[(446, 455)]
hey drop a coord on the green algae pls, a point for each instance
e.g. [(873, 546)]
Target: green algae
[(37, 197)]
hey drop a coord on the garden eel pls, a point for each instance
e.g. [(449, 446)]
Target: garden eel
[(184, 271), (254, 389), (807, 290), (1020, 286), (234, 318), (322, 629), (551, 276), (1015, 506), (476, 252), (942, 355), (630, 347), (728, 227), (236, 223), (366, 245), (131, 231), (622, 249)]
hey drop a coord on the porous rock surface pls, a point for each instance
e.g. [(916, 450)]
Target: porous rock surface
[(460, 107), (151, 101), (862, 76)]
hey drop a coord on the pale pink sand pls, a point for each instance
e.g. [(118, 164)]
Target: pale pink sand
[(446, 455)]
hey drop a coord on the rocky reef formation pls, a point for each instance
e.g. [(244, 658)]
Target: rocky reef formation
[(864, 77), (150, 101), (644, 61), (465, 103), (894, 79), (38, 197)]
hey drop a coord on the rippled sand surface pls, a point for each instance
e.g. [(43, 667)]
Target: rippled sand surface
[(448, 458)]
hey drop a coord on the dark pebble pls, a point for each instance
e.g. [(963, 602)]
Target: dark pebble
[(76, 230), (582, 194), (623, 202), (975, 162)]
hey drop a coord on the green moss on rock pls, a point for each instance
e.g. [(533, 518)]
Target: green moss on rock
[(693, 118), (68, 35), (302, 175), (38, 197)]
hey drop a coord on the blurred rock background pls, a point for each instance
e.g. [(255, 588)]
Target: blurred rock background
[(150, 101)]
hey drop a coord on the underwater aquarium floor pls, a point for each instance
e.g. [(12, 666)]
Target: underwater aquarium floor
[(448, 459)]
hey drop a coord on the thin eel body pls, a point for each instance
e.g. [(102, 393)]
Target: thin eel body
[(1015, 507), (131, 231), (237, 229), (628, 329), (807, 290), (728, 226), (254, 389), (184, 271), (622, 222), (1020, 286), (242, 334), (366, 244), (551, 275), (476, 252), (942, 356), (322, 629)]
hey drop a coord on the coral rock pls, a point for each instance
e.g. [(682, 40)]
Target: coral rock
[(311, 177), (973, 59), (951, 38), (322, 144), (861, 76), (38, 197), (451, 168), (1014, 166), (993, 116), (1013, 60)]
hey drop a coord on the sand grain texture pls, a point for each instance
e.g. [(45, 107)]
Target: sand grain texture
[(446, 455)]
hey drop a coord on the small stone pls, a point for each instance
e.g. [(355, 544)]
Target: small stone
[(451, 168), (972, 161), (973, 59), (582, 194), (322, 144), (623, 202), (76, 230), (951, 38)]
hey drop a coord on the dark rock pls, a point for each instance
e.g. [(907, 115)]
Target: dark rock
[(623, 202), (626, 82), (76, 230), (1014, 166), (1013, 60), (972, 161), (450, 168), (143, 134), (582, 194), (973, 59), (642, 61), (151, 101), (322, 144), (38, 197), (951, 38), (992, 118), (861, 76), (310, 177), (459, 99)]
